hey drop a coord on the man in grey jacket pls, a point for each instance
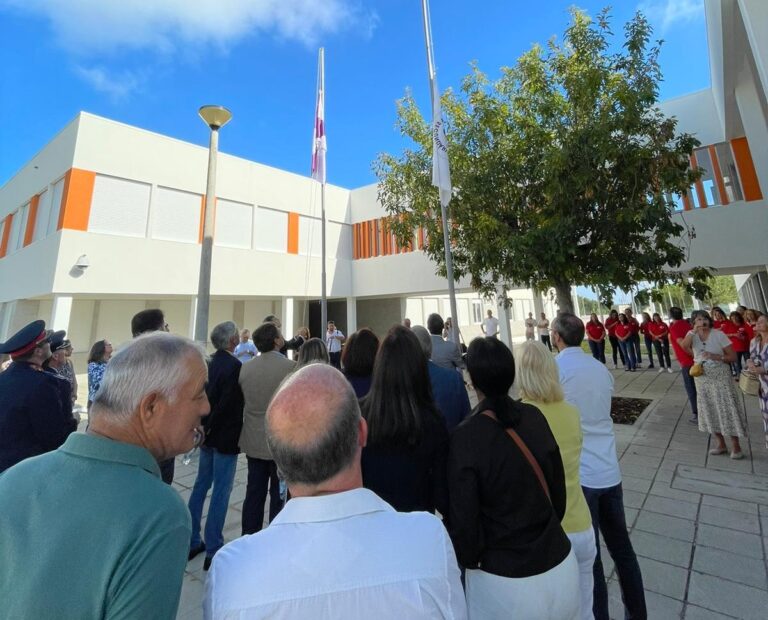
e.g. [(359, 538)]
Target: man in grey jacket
[(259, 380), (445, 353)]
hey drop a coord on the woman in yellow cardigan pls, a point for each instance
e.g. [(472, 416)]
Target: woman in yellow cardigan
[(539, 385)]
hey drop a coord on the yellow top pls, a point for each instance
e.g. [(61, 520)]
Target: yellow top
[(565, 424)]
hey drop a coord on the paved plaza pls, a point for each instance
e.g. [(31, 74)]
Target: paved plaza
[(699, 523)]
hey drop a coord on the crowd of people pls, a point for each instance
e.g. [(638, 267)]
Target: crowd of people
[(386, 494)]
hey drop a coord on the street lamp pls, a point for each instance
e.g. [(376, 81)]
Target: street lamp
[(215, 116)]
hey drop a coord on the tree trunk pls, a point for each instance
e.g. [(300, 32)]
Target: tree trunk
[(563, 297)]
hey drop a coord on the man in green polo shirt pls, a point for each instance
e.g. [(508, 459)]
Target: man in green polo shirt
[(90, 530)]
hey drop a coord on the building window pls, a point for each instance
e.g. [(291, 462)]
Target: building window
[(477, 311), (729, 172), (711, 194)]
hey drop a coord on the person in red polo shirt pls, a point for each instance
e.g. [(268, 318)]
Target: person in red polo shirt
[(596, 338), (660, 336), (678, 329), (740, 334), (719, 318), (610, 328), (635, 340), (625, 335), (647, 337)]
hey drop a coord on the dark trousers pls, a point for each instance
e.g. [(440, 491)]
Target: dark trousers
[(617, 350), (167, 469), (607, 509), (635, 342), (662, 352), (649, 350), (598, 350), (545, 339), (690, 388), (335, 359), (262, 474)]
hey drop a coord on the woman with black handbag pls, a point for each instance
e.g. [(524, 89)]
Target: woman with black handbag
[(507, 497)]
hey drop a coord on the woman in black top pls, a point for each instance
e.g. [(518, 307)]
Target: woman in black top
[(357, 360), (505, 529), (406, 457)]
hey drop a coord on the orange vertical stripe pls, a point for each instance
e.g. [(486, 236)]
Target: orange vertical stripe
[(746, 166), (6, 235), (76, 199), (356, 241), (293, 233), (202, 219), (34, 203), (687, 202), (375, 237), (421, 237), (699, 186), (718, 174), (371, 239)]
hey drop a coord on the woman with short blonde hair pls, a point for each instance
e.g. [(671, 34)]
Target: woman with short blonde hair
[(539, 385)]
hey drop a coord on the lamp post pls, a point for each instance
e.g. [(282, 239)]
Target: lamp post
[(215, 116)]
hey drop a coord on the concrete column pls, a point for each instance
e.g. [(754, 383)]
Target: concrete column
[(762, 281), (287, 317), (9, 309), (192, 317), (62, 310), (755, 124), (352, 315), (505, 332), (538, 305)]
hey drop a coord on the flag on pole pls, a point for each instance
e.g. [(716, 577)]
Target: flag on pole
[(318, 143), (441, 174)]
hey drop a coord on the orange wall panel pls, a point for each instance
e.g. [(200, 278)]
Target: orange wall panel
[(34, 203), (293, 233), (699, 187), (76, 200), (746, 167), (6, 235)]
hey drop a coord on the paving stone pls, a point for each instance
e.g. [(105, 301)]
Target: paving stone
[(665, 475), (742, 487), (672, 507), (730, 566), (633, 460), (727, 597), (663, 578), (639, 471), (665, 525), (664, 489), (730, 504), (633, 499), (731, 519), (652, 451), (729, 540), (192, 591), (692, 612), (635, 484), (661, 548)]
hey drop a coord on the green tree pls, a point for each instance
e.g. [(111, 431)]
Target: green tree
[(722, 291), (563, 170)]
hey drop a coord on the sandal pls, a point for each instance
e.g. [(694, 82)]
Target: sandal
[(717, 451)]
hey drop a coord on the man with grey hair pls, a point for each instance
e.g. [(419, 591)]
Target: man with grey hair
[(448, 388), (218, 455), (90, 530), (358, 558)]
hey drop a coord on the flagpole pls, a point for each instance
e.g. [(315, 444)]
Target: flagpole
[(443, 200), (323, 291)]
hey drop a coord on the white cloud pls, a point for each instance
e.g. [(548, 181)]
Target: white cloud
[(117, 87), (667, 13), (87, 27)]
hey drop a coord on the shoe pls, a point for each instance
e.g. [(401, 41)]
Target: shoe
[(195, 551), (737, 456), (660, 371), (651, 366), (694, 419), (717, 451), (207, 562), (669, 370)]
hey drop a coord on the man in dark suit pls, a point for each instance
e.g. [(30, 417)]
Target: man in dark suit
[(218, 455), (35, 407), (259, 380), (445, 353), (448, 388)]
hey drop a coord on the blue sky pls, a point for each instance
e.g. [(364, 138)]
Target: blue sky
[(152, 63)]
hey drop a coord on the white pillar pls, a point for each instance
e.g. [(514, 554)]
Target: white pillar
[(538, 305), (192, 317), (9, 309), (505, 332), (62, 310), (286, 317), (351, 316)]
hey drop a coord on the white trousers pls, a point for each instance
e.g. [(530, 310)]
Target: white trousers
[(553, 595), (583, 545)]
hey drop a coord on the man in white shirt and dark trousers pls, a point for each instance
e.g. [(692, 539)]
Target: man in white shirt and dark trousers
[(333, 340), (588, 385), (490, 326), (336, 551)]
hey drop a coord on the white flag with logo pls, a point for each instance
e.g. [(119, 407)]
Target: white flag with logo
[(441, 174)]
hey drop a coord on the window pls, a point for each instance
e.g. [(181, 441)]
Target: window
[(728, 170), (43, 215), (271, 230), (477, 311), (707, 180), (119, 207), (234, 224), (53, 219), (176, 215)]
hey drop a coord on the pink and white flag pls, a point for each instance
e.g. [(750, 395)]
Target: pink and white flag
[(318, 143)]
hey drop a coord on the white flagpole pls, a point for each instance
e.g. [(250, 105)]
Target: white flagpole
[(440, 170)]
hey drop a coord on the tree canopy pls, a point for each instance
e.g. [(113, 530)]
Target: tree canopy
[(564, 169)]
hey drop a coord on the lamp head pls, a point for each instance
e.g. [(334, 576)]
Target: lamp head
[(215, 116)]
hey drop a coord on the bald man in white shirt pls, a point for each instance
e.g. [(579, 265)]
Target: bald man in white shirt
[(336, 551)]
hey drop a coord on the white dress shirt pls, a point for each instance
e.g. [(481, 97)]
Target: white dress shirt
[(341, 556), (491, 325), (246, 351), (333, 343), (589, 385)]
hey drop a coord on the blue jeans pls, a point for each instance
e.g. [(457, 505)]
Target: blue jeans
[(607, 509), (690, 388), (598, 350), (628, 349), (649, 349), (217, 469), (635, 339)]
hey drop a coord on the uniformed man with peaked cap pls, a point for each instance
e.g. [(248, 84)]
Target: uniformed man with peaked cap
[(34, 418)]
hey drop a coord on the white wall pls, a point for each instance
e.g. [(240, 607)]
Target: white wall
[(696, 114)]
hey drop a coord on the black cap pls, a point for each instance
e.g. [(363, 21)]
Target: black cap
[(58, 340), (26, 339)]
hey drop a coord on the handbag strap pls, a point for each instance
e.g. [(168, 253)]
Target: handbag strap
[(526, 453)]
